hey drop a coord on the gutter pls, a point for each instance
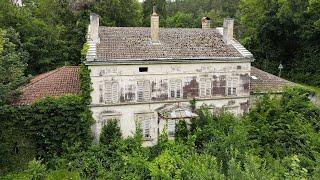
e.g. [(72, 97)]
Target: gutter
[(195, 60)]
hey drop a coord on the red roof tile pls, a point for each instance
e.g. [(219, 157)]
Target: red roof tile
[(262, 82), (56, 83)]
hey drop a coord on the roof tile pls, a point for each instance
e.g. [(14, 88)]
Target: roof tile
[(131, 43), (56, 83)]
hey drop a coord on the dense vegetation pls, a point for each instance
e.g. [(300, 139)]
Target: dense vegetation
[(278, 139)]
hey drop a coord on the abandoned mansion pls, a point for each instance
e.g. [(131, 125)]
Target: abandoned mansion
[(147, 76)]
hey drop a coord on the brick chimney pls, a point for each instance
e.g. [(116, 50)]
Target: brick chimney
[(154, 26), (206, 22), (94, 28), (228, 25)]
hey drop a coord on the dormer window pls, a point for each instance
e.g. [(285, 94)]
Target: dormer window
[(143, 69)]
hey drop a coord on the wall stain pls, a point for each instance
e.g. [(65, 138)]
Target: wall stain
[(191, 89)]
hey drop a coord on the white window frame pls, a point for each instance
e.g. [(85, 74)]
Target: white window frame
[(107, 116), (205, 88), (175, 89), (143, 91), (171, 127), (232, 86), (111, 94), (145, 120)]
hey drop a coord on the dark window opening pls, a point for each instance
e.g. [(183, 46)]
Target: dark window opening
[(143, 69)]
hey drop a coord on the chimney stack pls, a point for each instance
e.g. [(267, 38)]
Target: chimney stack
[(228, 25), (206, 22), (154, 26), (94, 28)]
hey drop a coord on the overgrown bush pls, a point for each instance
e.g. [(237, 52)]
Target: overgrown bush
[(43, 130), (110, 133)]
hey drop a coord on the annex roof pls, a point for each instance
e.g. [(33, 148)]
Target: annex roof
[(262, 82), (56, 83), (133, 43)]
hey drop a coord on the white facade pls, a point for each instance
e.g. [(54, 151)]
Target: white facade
[(155, 93), (133, 93)]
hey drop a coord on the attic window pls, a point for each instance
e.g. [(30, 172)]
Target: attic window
[(143, 69)]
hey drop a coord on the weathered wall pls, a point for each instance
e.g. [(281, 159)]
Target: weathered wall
[(127, 115), (206, 82), (159, 77)]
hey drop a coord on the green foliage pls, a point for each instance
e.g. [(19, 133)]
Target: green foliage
[(12, 65), (110, 133), (286, 125), (17, 147), (181, 131), (119, 13), (284, 32), (70, 120), (35, 170), (278, 139), (44, 129), (181, 20), (62, 175), (50, 33)]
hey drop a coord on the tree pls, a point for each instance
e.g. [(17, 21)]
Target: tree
[(283, 32), (286, 126), (110, 133), (181, 131), (49, 32), (119, 13), (181, 20), (12, 65)]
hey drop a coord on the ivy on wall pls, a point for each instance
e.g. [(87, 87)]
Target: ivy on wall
[(47, 128)]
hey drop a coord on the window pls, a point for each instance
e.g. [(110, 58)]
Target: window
[(143, 69), (171, 127), (175, 89), (143, 91), (101, 93), (145, 123), (233, 110), (106, 118), (111, 92), (205, 87), (232, 84)]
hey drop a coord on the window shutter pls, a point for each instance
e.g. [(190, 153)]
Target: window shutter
[(115, 93), (171, 127), (101, 93), (178, 88), (208, 88), (143, 91), (145, 126), (140, 91), (202, 87), (147, 91), (172, 88), (108, 92)]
